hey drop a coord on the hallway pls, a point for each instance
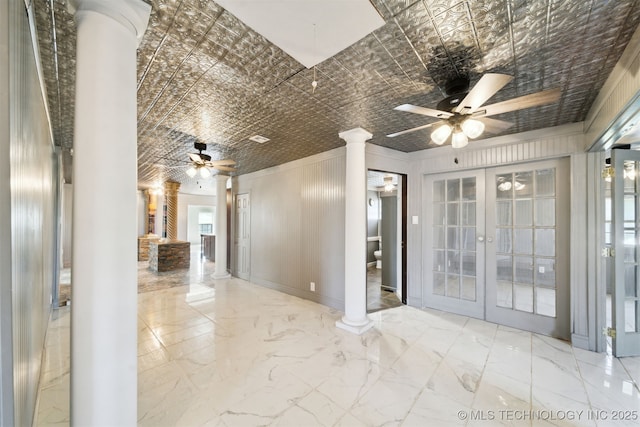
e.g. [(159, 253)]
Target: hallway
[(230, 353)]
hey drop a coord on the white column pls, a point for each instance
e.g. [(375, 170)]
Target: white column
[(355, 317), (104, 294), (221, 228)]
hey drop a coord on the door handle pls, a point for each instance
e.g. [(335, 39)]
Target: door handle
[(480, 238), (489, 239)]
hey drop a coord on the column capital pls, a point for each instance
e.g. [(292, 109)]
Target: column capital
[(133, 14), (355, 135), (220, 177), (171, 187)]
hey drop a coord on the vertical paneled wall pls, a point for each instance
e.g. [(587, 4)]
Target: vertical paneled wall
[(6, 317), (322, 221), (297, 227), (32, 201)]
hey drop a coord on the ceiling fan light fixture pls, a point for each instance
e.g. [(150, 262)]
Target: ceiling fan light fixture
[(440, 135), (205, 173), (459, 140), (472, 128), (192, 172)]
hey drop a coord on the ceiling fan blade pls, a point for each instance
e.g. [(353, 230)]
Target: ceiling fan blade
[(227, 162), (392, 135), (486, 87), (195, 157), (225, 168), (424, 111), (495, 125), (522, 102)]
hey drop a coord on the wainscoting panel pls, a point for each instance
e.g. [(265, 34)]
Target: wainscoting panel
[(33, 178)]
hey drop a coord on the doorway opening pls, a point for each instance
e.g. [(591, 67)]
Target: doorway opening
[(386, 237)]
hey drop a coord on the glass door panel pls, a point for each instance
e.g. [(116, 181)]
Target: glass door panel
[(527, 253), (626, 232), (454, 271)]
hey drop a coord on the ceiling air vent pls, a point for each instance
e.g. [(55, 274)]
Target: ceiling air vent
[(259, 139)]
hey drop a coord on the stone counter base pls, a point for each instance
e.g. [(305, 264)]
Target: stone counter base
[(166, 255)]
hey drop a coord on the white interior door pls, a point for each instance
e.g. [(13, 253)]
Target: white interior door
[(454, 242), (528, 258), (243, 236), (626, 273), (497, 245)]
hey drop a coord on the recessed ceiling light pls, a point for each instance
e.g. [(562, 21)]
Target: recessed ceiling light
[(259, 139)]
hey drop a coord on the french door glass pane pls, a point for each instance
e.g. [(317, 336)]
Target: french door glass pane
[(468, 213), (452, 213), (439, 280), (546, 301), (545, 212), (503, 213), (438, 237), (523, 184), (525, 241), (439, 214), (505, 294), (524, 212), (453, 190), (454, 241), (505, 268), (453, 286), (438, 191), (546, 182), (523, 269), (469, 287), (523, 297), (631, 316), (545, 242), (503, 240), (545, 272)]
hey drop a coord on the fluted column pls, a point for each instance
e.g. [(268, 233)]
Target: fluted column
[(171, 200), (221, 228), (355, 317), (104, 314)]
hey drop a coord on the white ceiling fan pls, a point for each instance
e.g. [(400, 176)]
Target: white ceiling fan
[(202, 162), (463, 116)]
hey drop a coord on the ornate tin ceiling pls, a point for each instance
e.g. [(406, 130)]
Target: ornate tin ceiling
[(205, 76)]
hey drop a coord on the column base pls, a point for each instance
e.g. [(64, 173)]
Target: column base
[(357, 329), (217, 276)]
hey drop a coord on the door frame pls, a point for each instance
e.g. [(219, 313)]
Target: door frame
[(404, 224)]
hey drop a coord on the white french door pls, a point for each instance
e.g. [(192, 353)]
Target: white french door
[(454, 264), (497, 245)]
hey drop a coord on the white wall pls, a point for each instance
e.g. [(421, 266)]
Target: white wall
[(193, 225), (184, 200)]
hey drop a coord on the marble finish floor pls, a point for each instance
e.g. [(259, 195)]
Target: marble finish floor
[(378, 298), (231, 353)]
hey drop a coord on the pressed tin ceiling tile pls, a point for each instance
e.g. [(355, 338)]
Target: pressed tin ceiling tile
[(205, 76)]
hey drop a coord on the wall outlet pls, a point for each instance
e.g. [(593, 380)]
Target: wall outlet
[(312, 286)]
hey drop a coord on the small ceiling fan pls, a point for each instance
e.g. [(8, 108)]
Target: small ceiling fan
[(462, 114), (202, 162)]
